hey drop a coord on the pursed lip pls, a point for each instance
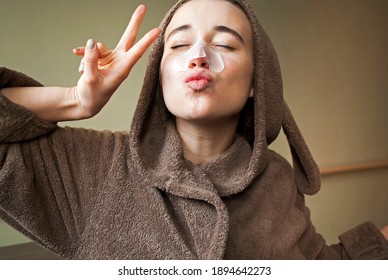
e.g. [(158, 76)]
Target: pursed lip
[(198, 77), (198, 81)]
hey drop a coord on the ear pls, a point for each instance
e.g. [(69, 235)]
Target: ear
[(251, 94), (307, 176)]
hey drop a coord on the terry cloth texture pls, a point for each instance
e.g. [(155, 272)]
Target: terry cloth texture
[(86, 194)]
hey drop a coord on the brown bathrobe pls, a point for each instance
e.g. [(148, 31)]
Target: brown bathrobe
[(87, 194)]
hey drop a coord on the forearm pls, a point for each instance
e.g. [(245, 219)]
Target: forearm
[(53, 104)]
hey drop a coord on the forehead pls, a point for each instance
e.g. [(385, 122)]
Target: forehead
[(205, 14)]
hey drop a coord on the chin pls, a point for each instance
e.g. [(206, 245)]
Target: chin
[(199, 114)]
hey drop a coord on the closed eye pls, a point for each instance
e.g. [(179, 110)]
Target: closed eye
[(181, 46), (227, 47)]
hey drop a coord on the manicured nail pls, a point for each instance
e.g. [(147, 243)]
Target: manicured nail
[(81, 67), (90, 44)]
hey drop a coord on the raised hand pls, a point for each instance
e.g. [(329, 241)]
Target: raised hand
[(103, 70)]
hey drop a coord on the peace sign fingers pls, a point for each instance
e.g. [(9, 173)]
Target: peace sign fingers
[(129, 36)]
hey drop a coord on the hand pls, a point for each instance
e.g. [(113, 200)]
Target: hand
[(384, 231), (103, 70)]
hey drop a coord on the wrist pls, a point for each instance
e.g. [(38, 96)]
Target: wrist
[(59, 105), (75, 110), (83, 106), (384, 231)]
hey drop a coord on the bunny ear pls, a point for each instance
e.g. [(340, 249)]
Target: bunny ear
[(307, 176)]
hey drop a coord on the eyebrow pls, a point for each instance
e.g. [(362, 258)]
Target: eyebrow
[(219, 28), (178, 29), (222, 28)]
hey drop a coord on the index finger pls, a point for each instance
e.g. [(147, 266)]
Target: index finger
[(129, 36), (134, 54)]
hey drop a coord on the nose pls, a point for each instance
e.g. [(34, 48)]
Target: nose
[(200, 62)]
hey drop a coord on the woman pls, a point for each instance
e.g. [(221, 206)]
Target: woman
[(194, 178)]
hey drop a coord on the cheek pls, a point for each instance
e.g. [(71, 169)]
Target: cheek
[(240, 65), (168, 75), (170, 85), (239, 75), (237, 81)]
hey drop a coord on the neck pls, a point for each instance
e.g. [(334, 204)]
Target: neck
[(204, 141)]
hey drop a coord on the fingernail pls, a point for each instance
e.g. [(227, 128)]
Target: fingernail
[(90, 44), (81, 67)]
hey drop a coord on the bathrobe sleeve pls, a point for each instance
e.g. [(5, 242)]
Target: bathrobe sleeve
[(49, 176), (363, 242), (18, 123)]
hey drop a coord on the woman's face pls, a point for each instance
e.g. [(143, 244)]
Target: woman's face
[(199, 93)]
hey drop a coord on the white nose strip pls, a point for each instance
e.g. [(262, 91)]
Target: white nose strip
[(199, 50)]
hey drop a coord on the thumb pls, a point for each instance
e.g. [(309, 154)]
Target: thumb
[(89, 63)]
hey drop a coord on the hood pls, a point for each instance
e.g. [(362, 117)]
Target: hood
[(260, 123)]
